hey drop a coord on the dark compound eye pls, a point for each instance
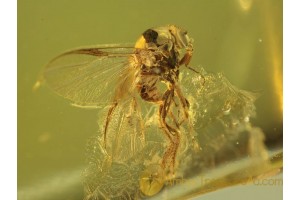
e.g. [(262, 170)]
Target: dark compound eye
[(150, 35)]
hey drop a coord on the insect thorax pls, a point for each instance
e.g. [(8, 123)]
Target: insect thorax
[(159, 53), (161, 50)]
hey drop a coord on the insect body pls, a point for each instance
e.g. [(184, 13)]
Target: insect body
[(165, 46), (110, 74)]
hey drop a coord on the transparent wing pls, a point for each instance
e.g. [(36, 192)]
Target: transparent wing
[(90, 76)]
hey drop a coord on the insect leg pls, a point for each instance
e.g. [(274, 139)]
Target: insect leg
[(137, 124), (171, 133), (108, 119), (183, 100), (164, 110), (185, 105), (170, 154), (186, 58)]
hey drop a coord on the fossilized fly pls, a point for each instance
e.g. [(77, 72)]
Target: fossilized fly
[(110, 74)]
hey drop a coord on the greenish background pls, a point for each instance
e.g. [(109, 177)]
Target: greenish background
[(240, 38)]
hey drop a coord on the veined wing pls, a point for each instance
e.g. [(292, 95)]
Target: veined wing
[(90, 76)]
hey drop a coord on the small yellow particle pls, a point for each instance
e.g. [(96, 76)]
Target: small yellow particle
[(152, 180)]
